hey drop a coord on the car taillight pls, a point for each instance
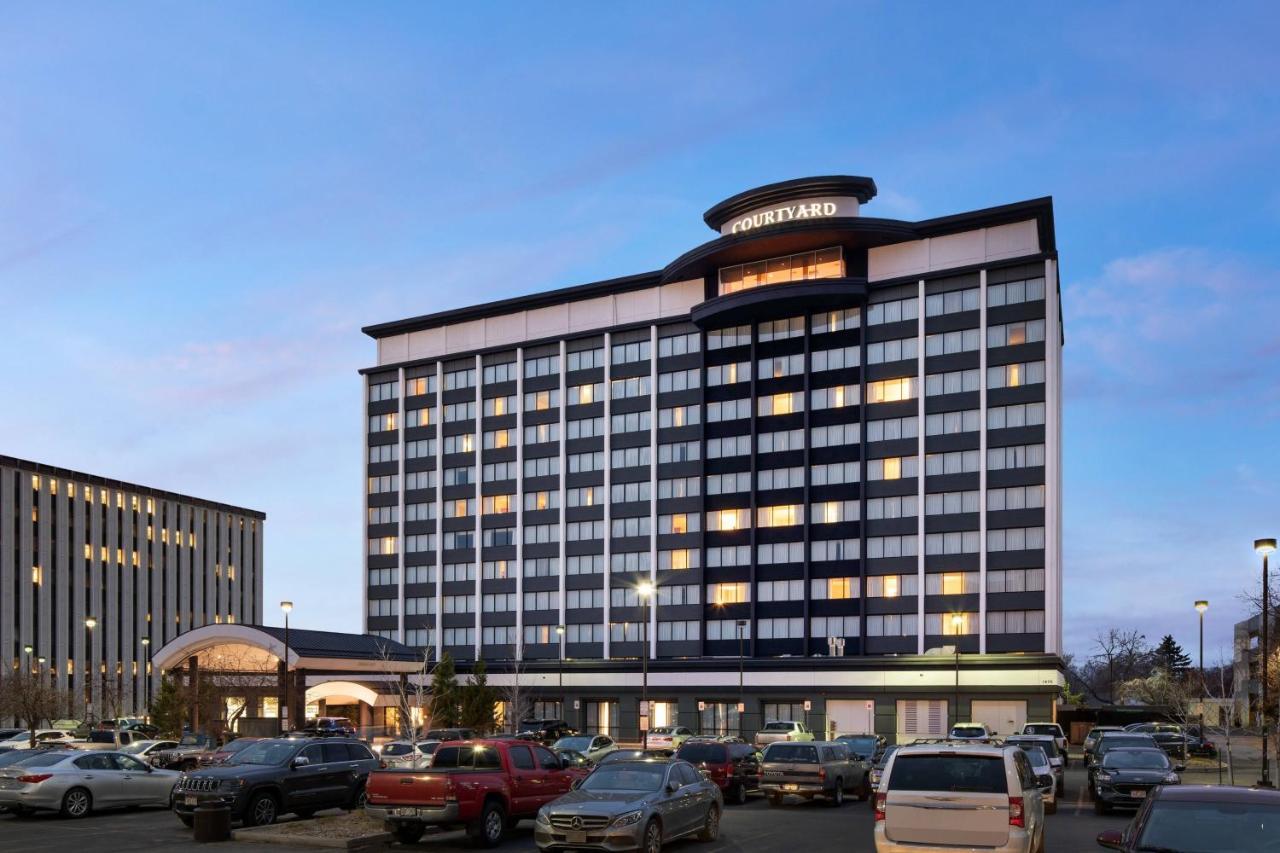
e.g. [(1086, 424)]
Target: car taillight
[(880, 803), (1016, 817), (382, 763), (34, 778), (822, 774)]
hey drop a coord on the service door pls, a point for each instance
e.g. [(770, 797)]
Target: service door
[(851, 717), (921, 718), (1002, 716)]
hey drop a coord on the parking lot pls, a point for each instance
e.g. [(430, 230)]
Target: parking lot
[(754, 827)]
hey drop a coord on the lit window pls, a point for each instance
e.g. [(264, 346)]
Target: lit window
[(729, 593), (953, 583), (891, 390), (841, 588), (893, 468), (892, 586), (679, 523), (35, 575)]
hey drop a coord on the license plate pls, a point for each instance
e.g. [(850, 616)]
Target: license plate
[(789, 787), (407, 812), (575, 838), (1138, 795), (190, 800)]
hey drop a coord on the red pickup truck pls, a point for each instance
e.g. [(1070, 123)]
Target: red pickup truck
[(485, 786)]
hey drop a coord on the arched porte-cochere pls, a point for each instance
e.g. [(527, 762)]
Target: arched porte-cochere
[(246, 679)]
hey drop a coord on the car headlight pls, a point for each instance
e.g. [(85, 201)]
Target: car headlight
[(542, 819), (1172, 779), (1103, 777), (231, 784), (628, 818)]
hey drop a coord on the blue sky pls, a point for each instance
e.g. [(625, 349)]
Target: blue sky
[(200, 205)]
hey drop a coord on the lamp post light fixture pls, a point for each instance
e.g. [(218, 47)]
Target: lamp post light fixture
[(90, 623), (560, 666), (29, 650), (1265, 547), (645, 591), (146, 675), (957, 624), (285, 717), (741, 626)]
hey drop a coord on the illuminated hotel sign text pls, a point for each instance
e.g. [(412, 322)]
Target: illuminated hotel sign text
[(821, 208)]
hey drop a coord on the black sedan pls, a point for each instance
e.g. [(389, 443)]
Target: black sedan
[(1126, 776), (1201, 819)]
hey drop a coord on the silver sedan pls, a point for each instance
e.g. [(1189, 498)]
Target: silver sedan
[(76, 783)]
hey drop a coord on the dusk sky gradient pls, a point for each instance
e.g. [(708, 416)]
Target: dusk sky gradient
[(201, 204)]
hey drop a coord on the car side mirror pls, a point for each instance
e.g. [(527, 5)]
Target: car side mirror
[(1112, 839), (1045, 781), (300, 761)]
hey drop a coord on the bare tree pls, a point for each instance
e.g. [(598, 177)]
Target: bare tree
[(1121, 656), (517, 696), (412, 694), (240, 675), (1165, 690), (32, 699)]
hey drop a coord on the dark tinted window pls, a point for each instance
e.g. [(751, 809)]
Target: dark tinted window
[(795, 753), (314, 754), (359, 752), (479, 757), (696, 753), (687, 775), (976, 773), (520, 758), (335, 752), (546, 758), (1238, 827)]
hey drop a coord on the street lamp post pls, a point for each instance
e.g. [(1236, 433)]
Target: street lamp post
[(1265, 547), (146, 675), (560, 666), (29, 650), (957, 622), (286, 718), (741, 625), (645, 591), (90, 623)]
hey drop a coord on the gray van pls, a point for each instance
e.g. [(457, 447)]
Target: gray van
[(818, 769)]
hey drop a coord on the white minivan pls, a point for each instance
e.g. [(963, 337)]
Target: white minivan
[(945, 796)]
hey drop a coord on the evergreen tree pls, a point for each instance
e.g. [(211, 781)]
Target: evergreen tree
[(169, 708), (444, 694), (477, 700), (1170, 657)]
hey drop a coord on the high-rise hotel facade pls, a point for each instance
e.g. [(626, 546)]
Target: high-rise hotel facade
[(96, 574), (830, 443)]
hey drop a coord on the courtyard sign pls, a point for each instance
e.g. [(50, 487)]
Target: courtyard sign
[(821, 208)]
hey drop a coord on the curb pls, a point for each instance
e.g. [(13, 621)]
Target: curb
[(267, 835)]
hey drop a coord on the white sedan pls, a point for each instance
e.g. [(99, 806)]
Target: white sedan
[(76, 783)]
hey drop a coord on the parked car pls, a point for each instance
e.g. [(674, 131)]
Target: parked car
[(5, 734), (666, 737), (223, 754), (808, 770), (632, 755), (869, 747), (1115, 740), (1053, 730), (1201, 818), (1057, 760), (576, 760), (777, 730), (1091, 739), (76, 783), (990, 795), (1041, 767), (403, 753), (443, 735), (632, 805), (484, 786), (548, 731), (110, 739), (329, 727), (977, 732), (734, 767), (594, 747), (44, 737), (877, 772), (186, 755), (276, 776), (1126, 776), (144, 749), (1184, 743)]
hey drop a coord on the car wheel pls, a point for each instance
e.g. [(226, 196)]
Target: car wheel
[(76, 803), (738, 794), (187, 820), (1101, 807), (775, 800), (263, 810), (652, 838), (711, 825), (407, 833), (357, 801), (487, 831), (837, 796)]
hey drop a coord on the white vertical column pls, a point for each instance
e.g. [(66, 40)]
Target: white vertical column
[(400, 540), (364, 501), (1053, 461), (478, 473), (562, 568), (920, 537), (653, 490), (982, 462), (608, 498), (438, 525), (519, 500)]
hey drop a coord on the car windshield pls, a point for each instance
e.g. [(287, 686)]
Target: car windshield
[(626, 776), (238, 745), (1050, 747), (794, 753), (777, 727), (1136, 759), (1035, 754), (696, 753), (1239, 827), (1041, 729), (969, 773), (577, 744), (273, 753), (861, 744)]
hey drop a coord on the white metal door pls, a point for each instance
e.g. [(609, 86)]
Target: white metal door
[(1002, 716), (921, 718), (851, 717)]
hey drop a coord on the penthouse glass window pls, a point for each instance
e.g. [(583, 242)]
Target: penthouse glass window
[(893, 312), (546, 365), (1013, 292), (733, 337), (460, 379), (383, 391), (679, 344), (505, 372), (635, 351), (416, 386), (950, 303), (825, 263), (777, 330), (1015, 375), (1012, 334), (835, 359), (892, 390), (586, 359), (834, 321), (947, 343)]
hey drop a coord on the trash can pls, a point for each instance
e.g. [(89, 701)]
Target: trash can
[(212, 823)]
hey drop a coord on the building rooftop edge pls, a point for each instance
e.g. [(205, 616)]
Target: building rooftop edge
[(98, 480)]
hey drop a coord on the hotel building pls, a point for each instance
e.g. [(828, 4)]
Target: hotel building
[(829, 443), (96, 574)]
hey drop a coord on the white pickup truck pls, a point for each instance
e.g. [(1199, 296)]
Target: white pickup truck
[(777, 730)]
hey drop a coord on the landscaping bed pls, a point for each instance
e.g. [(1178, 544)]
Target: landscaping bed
[(353, 831)]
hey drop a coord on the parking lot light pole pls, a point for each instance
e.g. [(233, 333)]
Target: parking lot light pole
[(957, 623), (560, 666), (286, 718), (146, 675), (89, 623), (645, 591), (1265, 547), (741, 625)]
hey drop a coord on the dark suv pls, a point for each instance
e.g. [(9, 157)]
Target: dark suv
[(330, 727), (735, 767), (548, 731), (279, 776)]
